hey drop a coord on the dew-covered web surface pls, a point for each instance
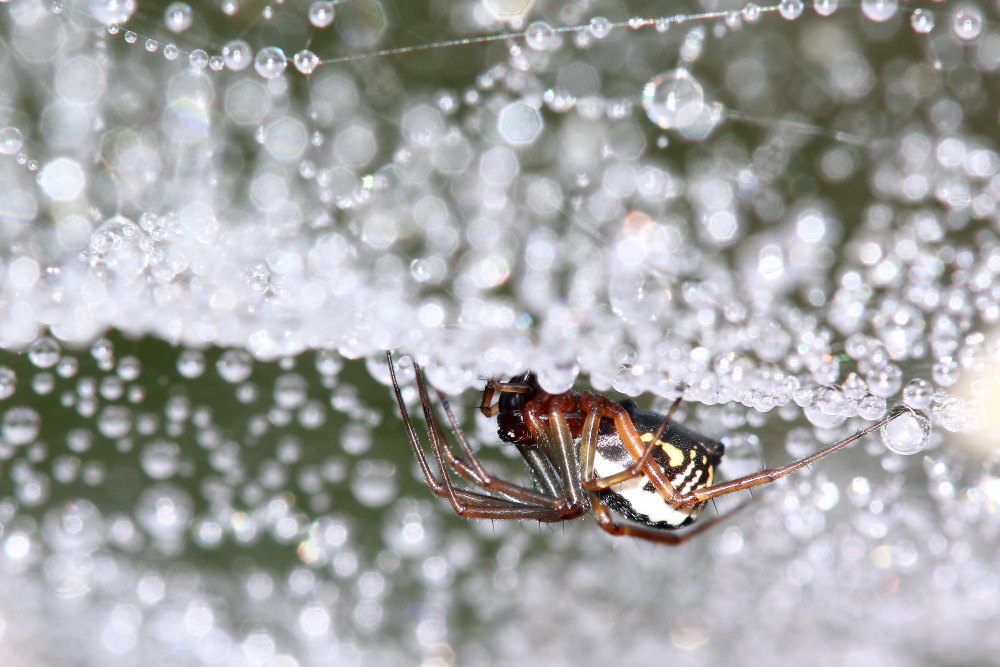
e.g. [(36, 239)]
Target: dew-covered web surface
[(208, 213)]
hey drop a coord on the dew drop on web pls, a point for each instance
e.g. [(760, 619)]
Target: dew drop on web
[(908, 433)]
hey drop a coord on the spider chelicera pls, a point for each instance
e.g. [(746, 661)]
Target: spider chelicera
[(586, 453)]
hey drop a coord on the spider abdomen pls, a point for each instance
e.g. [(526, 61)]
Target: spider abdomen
[(687, 459)]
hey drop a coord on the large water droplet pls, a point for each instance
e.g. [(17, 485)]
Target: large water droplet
[(177, 16), (908, 432), (922, 21), (879, 10), (20, 425), (967, 22), (237, 55), (321, 13), (600, 27), (540, 36), (674, 99), (270, 62)]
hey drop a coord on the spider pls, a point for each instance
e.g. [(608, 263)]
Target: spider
[(587, 453)]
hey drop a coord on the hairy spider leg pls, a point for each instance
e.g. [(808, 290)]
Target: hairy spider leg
[(742, 483), (477, 474), (637, 468), (520, 503), (495, 386), (605, 519), (772, 474)]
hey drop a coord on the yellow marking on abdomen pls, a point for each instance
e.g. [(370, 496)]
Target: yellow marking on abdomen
[(674, 456)]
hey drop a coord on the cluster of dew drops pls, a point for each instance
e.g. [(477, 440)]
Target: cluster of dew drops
[(967, 22), (291, 465), (672, 100), (246, 501)]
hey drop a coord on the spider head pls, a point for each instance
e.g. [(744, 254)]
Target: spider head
[(510, 418)]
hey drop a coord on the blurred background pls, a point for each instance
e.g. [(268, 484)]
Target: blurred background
[(217, 216)]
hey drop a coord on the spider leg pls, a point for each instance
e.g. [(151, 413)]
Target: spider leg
[(569, 464), (411, 433), (592, 403), (772, 474), (637, 468), (464, 502), (474, 470), (607, 523), (493, 387), (605, 519)]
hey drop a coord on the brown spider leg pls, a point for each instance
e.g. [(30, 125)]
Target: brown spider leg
[(772, 474), (569, 463), (609, 525), (463, 501), (636, 468), (543, 473), (474, 470), (588, 447), (605, 520), (495, 386), (533, 410), (591, 403), (435, 485)]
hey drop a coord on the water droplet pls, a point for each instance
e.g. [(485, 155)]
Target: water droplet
[(790, 9), (114, 421), (674, 99), (234, 365), (871, 407), (328, 363), (321, 13), (355, 438), (160, 459), (177, 16), (290, 391), (540, 36), (918, 393), (20, 426), (945, 372), (305, 61), (191, 363), (825, 7), (11, 140), (831, 400), (751, 12), (885, 380), (908, 432), (879, 10), (129, 368), (967, 22), (198, 59), (600, 27), (922, 21), (374, 483), (164, 511), (270, 62), (44, 352), (75, 526), (817, 417), (8, 382), (237, 55), (855, 387), (111, 11)]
